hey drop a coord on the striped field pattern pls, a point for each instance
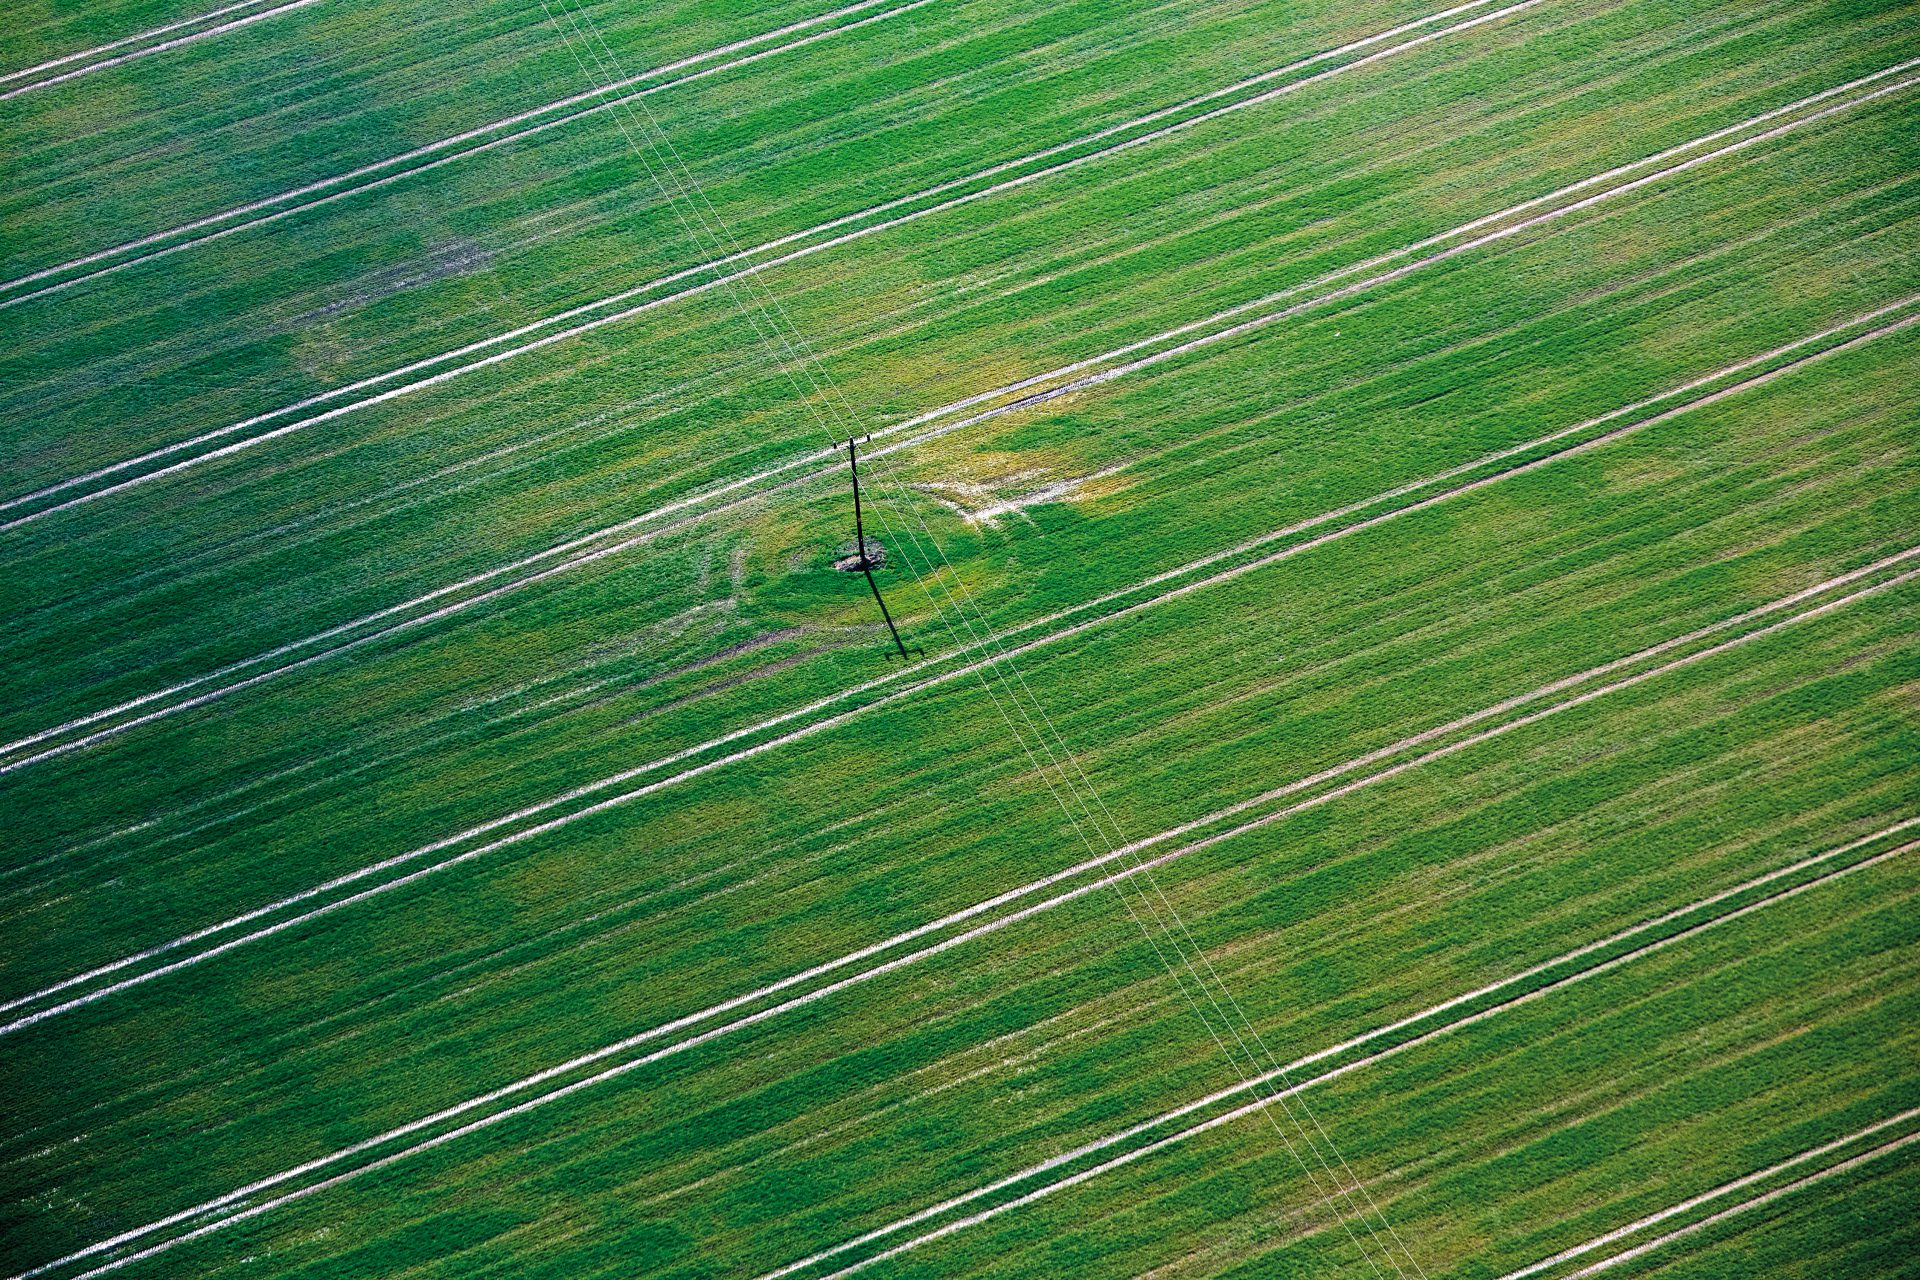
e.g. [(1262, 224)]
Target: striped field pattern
[(1404, 528)]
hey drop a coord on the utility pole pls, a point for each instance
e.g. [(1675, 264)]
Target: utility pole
[(860, 541)]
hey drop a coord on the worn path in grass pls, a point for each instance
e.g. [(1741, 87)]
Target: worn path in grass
[(1397, 766), (1057, 1082), (1155, 532), (149, 618), (1474, 661), (738, 493)]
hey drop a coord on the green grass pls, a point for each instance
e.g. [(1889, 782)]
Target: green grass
[(1549, 1123)]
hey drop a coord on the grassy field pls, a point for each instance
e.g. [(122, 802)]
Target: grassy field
[(1408, 526)]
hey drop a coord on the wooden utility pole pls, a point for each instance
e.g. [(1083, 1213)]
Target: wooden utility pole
[(860, 541)]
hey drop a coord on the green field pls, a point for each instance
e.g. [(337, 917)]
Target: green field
[(1407, 527)]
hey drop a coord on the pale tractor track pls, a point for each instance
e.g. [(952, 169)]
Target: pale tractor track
[(444, 151), (588, 317), (1570, 692), (750, 742), (1805, 1180), (901, 684), (821, 466), (145, 44), (1453, 1014)]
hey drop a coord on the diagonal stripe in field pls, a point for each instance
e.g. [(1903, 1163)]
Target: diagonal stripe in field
[(1745, 1206), (234, 1207), (1721, 1192), (88, 729), (124, 41), (71, 73), (552, 335), (432, 155), (314, 903), (1527, 995)]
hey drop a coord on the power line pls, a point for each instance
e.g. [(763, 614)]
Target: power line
[(806, 362)]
